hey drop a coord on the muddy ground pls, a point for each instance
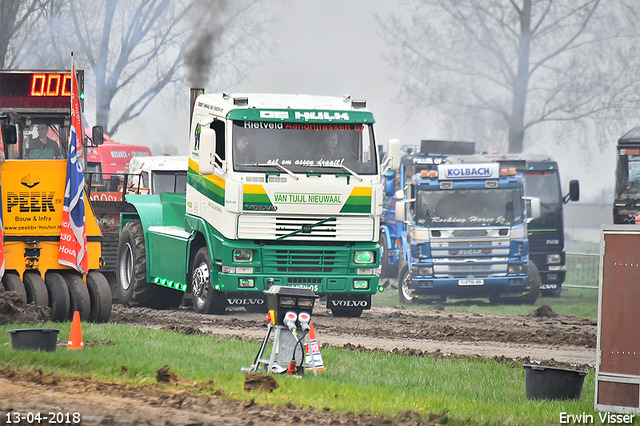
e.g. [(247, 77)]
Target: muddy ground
[(542, 336)]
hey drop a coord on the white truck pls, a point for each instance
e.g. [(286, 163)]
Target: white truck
[(281, 190), (153, 175)]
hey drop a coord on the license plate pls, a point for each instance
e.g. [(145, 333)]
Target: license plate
[(470, 282)]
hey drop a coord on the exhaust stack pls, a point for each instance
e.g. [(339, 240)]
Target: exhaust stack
[(195, 92)]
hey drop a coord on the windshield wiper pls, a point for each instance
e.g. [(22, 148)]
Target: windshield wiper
[(345, 168), (281, 167)]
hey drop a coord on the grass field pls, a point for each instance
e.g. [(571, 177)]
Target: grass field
[(471, 391)]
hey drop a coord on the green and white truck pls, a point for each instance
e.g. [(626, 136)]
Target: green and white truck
[(266, 204)]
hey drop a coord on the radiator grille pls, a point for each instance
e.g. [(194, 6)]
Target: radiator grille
[(304, 261)]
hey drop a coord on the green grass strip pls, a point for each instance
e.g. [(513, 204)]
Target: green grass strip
[(472, 391)]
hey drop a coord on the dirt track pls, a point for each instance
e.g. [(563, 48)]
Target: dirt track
[(433, 332), (564, 339)]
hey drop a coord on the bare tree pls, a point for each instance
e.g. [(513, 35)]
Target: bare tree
[(519, 63), (19, 21), (135, 49)]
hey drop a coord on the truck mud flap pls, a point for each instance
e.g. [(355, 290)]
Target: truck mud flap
[(348, 301)]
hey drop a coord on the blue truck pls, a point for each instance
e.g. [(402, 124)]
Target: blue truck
[(463, 233), (411, 159)]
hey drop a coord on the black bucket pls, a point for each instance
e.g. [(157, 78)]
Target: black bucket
[(542, 382), (37, 339)]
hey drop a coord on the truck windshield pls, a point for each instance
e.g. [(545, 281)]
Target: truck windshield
[(40, 141), (628, 178), (304, 148), (469, 207), (169, 182), (544, 185)]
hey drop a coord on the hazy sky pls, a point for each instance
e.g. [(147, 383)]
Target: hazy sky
[(335, 47), (328, 47)]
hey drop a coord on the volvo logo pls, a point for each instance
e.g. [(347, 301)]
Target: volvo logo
[(243, 302), (349, 303)]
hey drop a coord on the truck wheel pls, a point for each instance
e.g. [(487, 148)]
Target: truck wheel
[(556, 292), (535, 283), (405, 293), (59, 300), (100, 297), (36, 289), (346, 313), (79, 296), (131, 267), (205, 299), (12, 282)]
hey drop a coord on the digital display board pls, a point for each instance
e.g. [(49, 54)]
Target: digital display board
[(25, 90)]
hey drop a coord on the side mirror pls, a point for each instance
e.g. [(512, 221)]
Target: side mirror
[(9, 134), (207, 150), (97, 135), (574, 192), (394, 154), (533, 208), (400, 213)]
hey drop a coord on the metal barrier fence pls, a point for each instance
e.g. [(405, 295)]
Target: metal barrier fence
[(583, 270)]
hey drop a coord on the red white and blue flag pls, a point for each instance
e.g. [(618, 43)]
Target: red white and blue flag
[(73, 233)]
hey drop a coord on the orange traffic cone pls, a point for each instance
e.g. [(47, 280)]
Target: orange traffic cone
[(75, 337), (313, 350)]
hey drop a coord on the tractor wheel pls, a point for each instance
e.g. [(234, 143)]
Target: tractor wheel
[(100, 296), (12, 282), (79, 296), (59, 299), (205, 299), (36, 289), (131, 267)]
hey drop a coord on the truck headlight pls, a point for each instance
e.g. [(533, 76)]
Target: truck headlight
[(421, 271), (554, 258), (237, 269), (363, 257), (361, 284), (242, 255)]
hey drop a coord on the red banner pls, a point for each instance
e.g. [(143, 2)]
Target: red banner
[(73, 234)]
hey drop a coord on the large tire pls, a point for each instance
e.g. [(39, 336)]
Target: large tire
[(131, 267), (59, 299), (535, 282), (404, 292), (205, 299), (100, 297), (556, 292), (12, 282), (79, 296), (36, 289)]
